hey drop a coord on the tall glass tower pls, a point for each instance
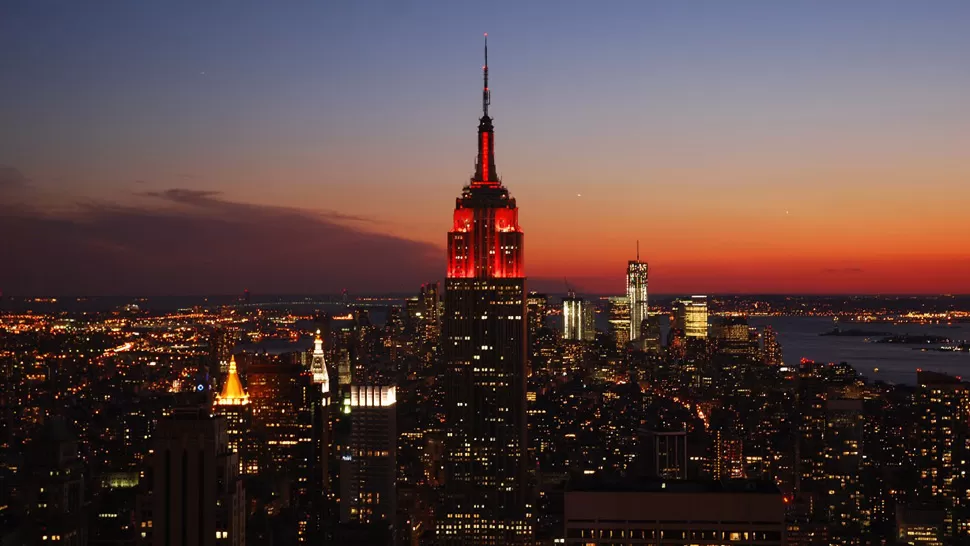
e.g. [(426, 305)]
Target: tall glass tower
[(636, 294), (485, 498)]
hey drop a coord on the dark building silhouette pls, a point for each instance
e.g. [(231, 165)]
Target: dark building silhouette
[(673, 512), (197, 498), (663, 454), (485, 498), (54, 488)]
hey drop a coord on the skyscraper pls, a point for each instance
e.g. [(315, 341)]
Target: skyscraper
[(942, 411), (319, 463), (197, 495), (578, 316), (772, 349), (431, 312), (233, 404), (537, 306), (55, 487), (636, 294), (318, 364), (284, 400), (843, 438), (690, 316), (620, 320), (368, 470), (485, 499)]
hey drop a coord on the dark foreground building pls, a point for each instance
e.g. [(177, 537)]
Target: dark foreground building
[(485, 494), (197, 496), (674, 512)]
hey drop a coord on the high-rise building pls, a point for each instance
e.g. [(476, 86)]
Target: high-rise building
[(430, 322), (318, 465), (197, 496), (233, 404), (843, 462), (221, 342), (54, 488), (578, 316), (486, 494), (690, 316), (772, 349), (620, 320), (318, 364), (650, 333), (663, 454), (538, 305), (942, 415), (727, 460), (284, 400), (636, 294), (368, 469)]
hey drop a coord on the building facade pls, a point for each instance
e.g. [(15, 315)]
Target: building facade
[(673, 512), (197, 496), (620, 320), (368, 469), (690, 317)]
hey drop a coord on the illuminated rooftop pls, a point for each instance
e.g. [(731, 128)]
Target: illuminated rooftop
[(232, 390)]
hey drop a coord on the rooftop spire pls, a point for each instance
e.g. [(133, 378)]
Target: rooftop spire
[(485, 167), (232, 391), (486, 96)]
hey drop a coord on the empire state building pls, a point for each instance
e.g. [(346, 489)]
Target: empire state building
[(486, 498)]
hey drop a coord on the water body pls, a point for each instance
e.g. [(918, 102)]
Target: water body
[(897, 363)]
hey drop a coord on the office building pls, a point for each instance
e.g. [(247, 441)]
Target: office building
[(644, 511), (430, 318), (772, 349), (942, 416), (283, 398), (368, 469), (537, 307), (843, 440), (578, 318), (650, 333), (319, 505), (233, 404), (54, 488), (318, 364), (620, 320), (636, 294), (197, 496), (690, 317), (486, 494), (728, 462), (662, 454)]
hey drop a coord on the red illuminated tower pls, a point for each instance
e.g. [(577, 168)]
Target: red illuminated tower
[(486, 498)]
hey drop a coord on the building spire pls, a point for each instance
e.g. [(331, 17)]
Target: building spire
[(233, 392), (486, 96), (638, 250), (485, 166)]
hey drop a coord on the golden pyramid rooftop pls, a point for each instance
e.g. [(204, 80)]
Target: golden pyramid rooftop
[(232, 390)]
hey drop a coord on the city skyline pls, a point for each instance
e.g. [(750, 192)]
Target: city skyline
[(754, 148)]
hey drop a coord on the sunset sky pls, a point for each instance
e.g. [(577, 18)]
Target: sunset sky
[(290, 147)]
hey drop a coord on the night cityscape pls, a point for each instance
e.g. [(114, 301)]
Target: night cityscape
[(181, 365)]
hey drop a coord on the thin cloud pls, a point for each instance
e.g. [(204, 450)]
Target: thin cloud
[(11, 177), (842, 270)]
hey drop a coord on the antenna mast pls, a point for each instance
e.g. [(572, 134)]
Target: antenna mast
[(486, 95)]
